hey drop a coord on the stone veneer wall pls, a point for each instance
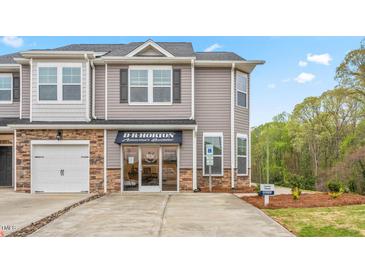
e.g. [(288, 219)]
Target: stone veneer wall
[(113, 180), (219, 183), (96, 138)]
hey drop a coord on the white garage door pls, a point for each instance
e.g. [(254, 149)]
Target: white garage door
[(60, 168)]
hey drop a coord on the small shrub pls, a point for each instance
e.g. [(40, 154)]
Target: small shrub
[(335, 188), (296, 185), (296, 192)]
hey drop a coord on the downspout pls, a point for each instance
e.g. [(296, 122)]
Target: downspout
[(21, 91), (31, 90), (192, 117), (93, 90), (87, 87), (106, 92), (232, 129)]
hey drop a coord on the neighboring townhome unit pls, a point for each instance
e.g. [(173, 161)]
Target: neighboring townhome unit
[(143, 116)]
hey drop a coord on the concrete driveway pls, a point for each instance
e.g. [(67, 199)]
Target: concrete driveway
[(180, 214), (21, 209)]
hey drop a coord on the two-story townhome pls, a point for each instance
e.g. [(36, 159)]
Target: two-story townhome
[(124, 117)]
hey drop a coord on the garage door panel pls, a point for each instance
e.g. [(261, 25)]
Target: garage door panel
[(60, 168)]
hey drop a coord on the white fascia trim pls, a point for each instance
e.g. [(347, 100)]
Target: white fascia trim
[(192, 90), (105, 126), (143, 60), (232, 126), (147, 44), (60, 142), (55, 53), (256, 62), (6, 130), (106, 93)]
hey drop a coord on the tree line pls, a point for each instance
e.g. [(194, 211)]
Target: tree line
[(322, 139)]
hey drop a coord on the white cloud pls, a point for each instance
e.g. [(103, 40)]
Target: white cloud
[(13, 41), (271, 86), (304, 77), (302, 63), (213, 47), (323, 59)]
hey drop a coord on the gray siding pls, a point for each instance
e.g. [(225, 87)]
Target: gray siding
[(59, 111), (10, 110), (213, 103), (100, 92), (186, 150), (113, 150), (117, 110), (25, 91)]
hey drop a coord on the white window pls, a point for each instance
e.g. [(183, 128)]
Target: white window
[(215, 139), (241, 89), (150, 85), (71, 84), (242, 157), (59, 83), (48, 84), (6, 88)]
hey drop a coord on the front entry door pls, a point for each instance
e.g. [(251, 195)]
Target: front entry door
[(150, 169), (5, 166)]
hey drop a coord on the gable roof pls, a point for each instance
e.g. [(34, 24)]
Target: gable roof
[(176, 49), (218, 56)]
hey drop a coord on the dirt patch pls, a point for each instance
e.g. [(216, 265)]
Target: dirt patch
[(33, 227), (306, 200)]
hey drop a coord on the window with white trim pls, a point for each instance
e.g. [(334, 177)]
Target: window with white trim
[(242, 157), (150, 85), (71, 84), (215, 139), (47, 84), (241, 89), (6, 88), (59, 83)]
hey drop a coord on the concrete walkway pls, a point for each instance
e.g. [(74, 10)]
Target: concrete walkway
[(21, 209), (178, 214)]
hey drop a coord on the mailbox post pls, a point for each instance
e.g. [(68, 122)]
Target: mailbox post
[(210, 162), (267, 190)]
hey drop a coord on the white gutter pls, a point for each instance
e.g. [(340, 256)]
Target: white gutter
[(31, 90), (21, 92), (93, 89), (101, 126), (87, 88), (192, 90), (106, 92), (232, 127)]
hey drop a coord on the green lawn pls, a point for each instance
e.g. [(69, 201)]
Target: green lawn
[(342, 221)]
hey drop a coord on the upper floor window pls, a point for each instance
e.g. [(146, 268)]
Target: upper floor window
[(215, 139), (60, 82), (241, 89), (6, 88), (150, 85), (242, 154)]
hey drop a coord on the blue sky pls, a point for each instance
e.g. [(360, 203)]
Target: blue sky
[(276, 86)]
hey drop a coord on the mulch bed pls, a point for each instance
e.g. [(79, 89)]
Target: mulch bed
[(306, 200), (33, 227)]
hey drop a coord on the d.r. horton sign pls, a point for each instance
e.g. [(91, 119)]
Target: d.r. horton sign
[(145, 137)]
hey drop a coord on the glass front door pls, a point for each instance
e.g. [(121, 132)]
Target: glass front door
[(150, 169), (131, 169)]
